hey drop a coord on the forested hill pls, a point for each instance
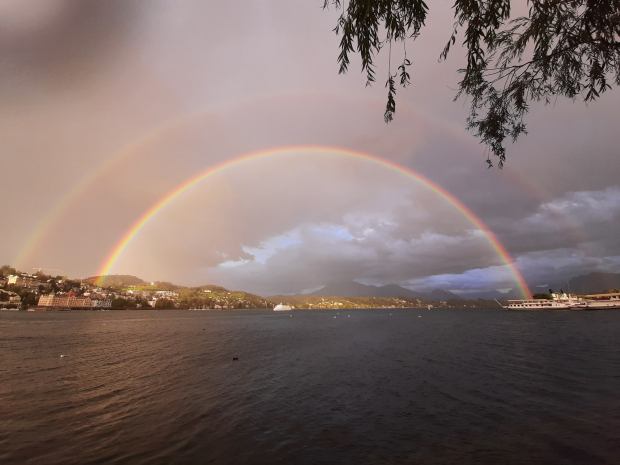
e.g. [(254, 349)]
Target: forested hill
[(116, 280), (219, 297)]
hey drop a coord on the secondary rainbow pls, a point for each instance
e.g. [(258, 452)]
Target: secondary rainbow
[(146, 216), (152, 136)]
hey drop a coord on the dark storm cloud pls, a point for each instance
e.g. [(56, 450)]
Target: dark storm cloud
[(577, 219), (375, 258)]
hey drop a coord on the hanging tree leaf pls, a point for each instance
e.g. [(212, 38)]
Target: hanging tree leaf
[(564, 48)]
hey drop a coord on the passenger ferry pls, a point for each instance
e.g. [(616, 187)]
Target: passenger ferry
[(602, 301), (558, 301)]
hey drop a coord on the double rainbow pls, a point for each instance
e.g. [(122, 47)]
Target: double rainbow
[(146, 216)]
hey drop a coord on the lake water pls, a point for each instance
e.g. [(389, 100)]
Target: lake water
[(369, 386)]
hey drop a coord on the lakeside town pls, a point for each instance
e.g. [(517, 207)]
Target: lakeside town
[(41, 292), (18, 289)]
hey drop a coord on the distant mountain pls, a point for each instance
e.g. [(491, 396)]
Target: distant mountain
[(594, 283), (512, 294), (394, 290), (556, 287), (352, 288), (347, 288), (440, 294), (486, 295), (355, 289)]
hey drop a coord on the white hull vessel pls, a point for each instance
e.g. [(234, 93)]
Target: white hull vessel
[(281, 308), (602, 302), (557, 302)]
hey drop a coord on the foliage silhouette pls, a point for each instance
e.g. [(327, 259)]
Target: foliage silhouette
[(562, 48)]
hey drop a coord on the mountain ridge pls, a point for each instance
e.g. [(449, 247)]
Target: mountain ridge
[(595, 282), (355, 289)]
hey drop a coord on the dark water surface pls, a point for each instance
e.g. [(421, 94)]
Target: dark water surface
[(451, 386)]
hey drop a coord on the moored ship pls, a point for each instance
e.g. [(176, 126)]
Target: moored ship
[(602, 301), (559, 301)]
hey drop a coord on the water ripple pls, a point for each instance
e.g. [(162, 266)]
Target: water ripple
[(456, 386)]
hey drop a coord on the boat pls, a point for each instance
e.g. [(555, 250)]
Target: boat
[(559, 301), (280, 307), (602, 301)]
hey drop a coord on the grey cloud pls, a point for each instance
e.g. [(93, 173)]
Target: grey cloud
[(577, 219)]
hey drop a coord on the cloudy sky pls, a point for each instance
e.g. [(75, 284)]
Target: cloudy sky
[(108, 106)]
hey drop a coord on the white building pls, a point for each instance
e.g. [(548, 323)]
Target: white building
[(64, 301)]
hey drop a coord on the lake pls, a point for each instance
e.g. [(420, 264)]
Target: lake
[(392, 386)]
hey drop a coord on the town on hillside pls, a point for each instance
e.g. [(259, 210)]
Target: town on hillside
[(38, 291)]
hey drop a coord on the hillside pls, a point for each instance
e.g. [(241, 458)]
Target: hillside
[(218, 297), (116, 280), (122, 281)]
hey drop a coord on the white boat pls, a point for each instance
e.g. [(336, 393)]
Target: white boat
[(602, 301), (558, 302), (280, 307)]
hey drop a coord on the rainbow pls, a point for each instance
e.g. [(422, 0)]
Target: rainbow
[(147, 215), (132, 148), (141, 143)]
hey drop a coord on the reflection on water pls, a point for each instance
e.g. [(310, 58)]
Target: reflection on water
[(456, 386)]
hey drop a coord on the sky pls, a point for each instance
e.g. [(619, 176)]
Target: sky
[(108, 106)]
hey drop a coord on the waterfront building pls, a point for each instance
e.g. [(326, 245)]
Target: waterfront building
[(101, 303), (64, 301)]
